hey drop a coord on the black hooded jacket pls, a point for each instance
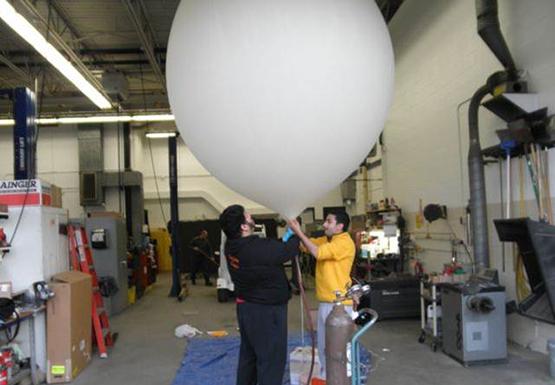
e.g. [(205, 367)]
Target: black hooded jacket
[(256, 268)]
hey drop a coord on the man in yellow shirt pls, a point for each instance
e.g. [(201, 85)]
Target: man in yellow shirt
[(334, 253)]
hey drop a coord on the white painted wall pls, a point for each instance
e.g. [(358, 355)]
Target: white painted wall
[(193, 179), (58, 161), (190, 209), (440, 62), (201, 194), (374, 184)]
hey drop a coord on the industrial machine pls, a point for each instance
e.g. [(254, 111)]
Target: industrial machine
[(474, 314), (394, 297), (34, 245), (474, 324), (38, 250), (109, 249)]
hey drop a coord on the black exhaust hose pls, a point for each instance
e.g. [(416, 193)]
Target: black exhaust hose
[(477, 185), (490, 32)]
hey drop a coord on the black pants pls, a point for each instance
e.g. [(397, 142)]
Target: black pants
[(263, 351), (199, 264)]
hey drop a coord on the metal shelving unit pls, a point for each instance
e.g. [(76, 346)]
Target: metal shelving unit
[(26, 315), (430, 295)]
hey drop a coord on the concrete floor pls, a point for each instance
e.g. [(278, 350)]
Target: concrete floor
[(148, 353)]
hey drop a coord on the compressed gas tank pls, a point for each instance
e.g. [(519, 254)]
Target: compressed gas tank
[(339, 330)]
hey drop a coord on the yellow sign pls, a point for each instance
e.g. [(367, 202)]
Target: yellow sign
[(58, 370)]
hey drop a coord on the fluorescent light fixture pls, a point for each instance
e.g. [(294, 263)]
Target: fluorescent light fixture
[(47, 121), (91, 119), (30, 34), (160, 135), (97, 119), (148, 118)]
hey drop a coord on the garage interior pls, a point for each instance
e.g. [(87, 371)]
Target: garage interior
[(101, 197)]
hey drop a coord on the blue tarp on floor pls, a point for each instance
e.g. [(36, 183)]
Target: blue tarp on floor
[(214, 361)]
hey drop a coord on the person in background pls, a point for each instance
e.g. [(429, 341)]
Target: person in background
[(202, 255), (256, 268), (335, 254)]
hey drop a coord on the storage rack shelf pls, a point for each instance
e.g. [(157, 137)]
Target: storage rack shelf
[(430, 327)]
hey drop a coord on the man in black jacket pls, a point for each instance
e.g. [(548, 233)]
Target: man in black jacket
[(256, 268), (202, 255)]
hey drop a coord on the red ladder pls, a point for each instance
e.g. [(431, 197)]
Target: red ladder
[(81, 260)]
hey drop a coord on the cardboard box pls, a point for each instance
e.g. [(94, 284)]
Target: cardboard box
[(68, 326), (32, 192), (104, 214), (56, 196)]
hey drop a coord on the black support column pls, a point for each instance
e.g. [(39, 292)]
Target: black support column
[(127, 189), (172, 150)]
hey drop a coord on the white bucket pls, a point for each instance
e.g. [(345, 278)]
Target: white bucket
[(299, 364)]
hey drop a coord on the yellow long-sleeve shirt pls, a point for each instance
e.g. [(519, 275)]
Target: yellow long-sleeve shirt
[(333, 265)]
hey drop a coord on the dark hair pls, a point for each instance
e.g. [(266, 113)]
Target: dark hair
[(341, 216), (201, 230), (231, 220)]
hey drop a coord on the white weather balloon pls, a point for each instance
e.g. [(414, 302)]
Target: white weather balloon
[(280, 99)]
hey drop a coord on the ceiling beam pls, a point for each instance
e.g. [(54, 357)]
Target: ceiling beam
[(59, 42), (71, 102), (62, 14), (24, 76), (92, 62), (97, 51), (137, 14), (78, 36)]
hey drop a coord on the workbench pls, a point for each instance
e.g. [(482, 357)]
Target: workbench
[(26, 315)]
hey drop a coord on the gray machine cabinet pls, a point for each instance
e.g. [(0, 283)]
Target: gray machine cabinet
[(111, 261), (474, 337)]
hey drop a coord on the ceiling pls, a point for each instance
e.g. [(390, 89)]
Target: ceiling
[(102, 38)]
